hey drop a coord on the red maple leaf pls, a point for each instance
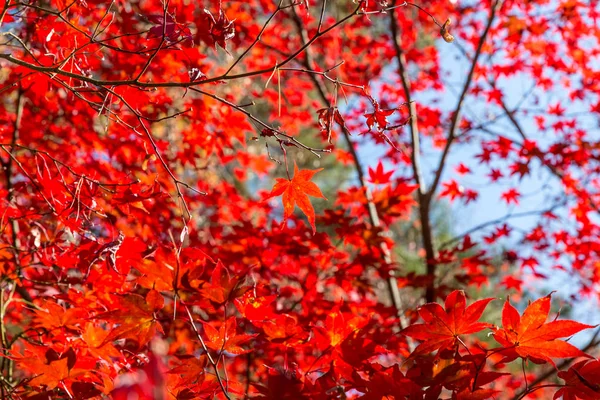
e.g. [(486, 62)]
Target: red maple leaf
[(495, 174), (296, 191), (452, 189), (511, 196), (521, 168), (462, 169), (135, 318), (223, 287), (213, 31), (226, 338), (379, 117), (378, 176), (529, 336), (581, 381), (470, 195), (443, 326)]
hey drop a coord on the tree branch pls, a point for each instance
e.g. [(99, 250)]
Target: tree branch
[(423, 199), (392, 283), (56, 69)]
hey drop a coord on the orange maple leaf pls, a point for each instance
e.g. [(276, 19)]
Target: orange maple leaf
[(443, 327), (53, 316), (48, 373), (529, 336), (296, 192)]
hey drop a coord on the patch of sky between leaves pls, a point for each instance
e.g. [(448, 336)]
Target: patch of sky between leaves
[(538, 189)]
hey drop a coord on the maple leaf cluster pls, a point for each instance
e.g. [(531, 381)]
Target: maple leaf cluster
[(256, 199)]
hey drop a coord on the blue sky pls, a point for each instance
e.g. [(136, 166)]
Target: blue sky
[(539, 189)]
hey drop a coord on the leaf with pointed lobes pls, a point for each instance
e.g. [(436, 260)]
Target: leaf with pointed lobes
[(48, 367), (214, 31), (283, 382), (529, 336), (379, 117), (134, 318), (168, 28), (223, 287), (443, 326), (462, 169), (582, 381), (296, 192), (511, 196), (452, 189), (226, 338), (378, 176)]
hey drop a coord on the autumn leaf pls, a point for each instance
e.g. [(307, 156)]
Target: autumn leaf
[(190, 370), (296, 192), (167, 28), (223, 287), (335, 329), (452, 189), (226, 338), (48, 371), (50, 375), (94, 337), (462, 169), (378, 117), (378, 176), (53, 316), (256, 308), (327, 116), (214, 31), (134, 319), (530, 337), (581, 381), (443, 326), (284, 329), (511, 196)]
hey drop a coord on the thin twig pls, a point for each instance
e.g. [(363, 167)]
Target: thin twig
[(211, 360)]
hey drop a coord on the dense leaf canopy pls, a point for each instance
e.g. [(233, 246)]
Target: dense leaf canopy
[(164, 233)]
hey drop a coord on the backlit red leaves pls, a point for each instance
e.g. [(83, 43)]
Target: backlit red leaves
[(530, 336), (444, 325), (223, 287), (91, 148), (49, 369), (55, 316), (582, 381), (284, 329), (226, 338), (296, 192), (134, 319)]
